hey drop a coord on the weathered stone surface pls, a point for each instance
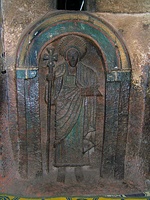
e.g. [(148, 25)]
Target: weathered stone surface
[(123, 6), (135, 31), (145, 141), (17, 15)]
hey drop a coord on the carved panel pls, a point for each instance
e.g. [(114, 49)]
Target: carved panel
[(73, 87), (72, 93)]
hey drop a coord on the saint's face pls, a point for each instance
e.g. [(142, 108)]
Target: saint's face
[(72, 56)]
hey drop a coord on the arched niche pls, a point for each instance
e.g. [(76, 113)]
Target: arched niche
[(107, 57)]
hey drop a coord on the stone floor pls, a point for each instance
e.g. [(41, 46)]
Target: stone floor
[(44, 186)]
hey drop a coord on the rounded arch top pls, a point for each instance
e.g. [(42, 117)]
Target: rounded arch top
[(59, 23)]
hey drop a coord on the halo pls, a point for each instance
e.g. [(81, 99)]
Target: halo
[(72, 41)]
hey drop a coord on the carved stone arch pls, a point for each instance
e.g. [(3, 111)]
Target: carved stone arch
[(86, 37), (116, 71)]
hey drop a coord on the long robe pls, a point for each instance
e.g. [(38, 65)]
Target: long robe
[(75, 115)]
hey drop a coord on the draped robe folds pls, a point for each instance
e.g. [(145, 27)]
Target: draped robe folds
[(75, 115)]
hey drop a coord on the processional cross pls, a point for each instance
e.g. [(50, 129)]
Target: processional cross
[(50, 57)]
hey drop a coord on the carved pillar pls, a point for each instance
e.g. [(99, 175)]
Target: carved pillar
[(29, 136), (116, 123)]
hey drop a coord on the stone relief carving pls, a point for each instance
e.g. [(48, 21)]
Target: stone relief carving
[(72, 93), (73, 79)]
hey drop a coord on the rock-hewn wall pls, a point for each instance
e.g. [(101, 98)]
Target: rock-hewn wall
[(134, 28), (124, 6)]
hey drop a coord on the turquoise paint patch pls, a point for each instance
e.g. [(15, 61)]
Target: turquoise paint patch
[(105, 44), (26, 74), (20, 74), (118, 76)]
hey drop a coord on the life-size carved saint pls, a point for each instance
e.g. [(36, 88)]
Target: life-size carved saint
[(75, 91)]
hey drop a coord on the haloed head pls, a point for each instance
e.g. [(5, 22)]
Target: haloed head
[(72, 57)]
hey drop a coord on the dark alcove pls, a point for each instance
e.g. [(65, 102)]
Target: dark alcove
[(70, 5)]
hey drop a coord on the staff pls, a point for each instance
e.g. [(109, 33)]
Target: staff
[(50, 57)]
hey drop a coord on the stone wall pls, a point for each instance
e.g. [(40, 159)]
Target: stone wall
[(134, 29), (124, 6)]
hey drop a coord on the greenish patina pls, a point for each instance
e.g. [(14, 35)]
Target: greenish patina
[(57, 24)]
